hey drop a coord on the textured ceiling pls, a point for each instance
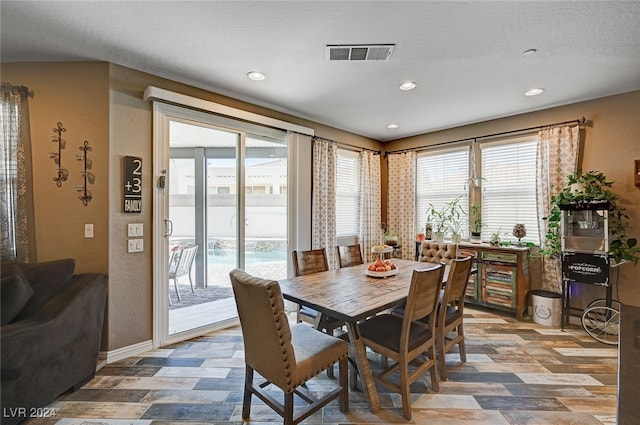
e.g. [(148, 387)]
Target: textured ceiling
[(465, 56)]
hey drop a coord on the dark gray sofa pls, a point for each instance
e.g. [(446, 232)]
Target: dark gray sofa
[(50, 334)]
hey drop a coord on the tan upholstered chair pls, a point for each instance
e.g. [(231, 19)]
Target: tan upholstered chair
[(438, 252), (349, 255), (285, 356), (450, 327), (404, 339)]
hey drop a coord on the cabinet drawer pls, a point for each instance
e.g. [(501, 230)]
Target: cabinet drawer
[(464, 253), (499, 284), (502, 257)]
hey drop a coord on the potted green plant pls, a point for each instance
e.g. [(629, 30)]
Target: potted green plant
[(591, 186), (437, 219), (391, 238), (495, 239), (475, 223), (448, 217), (456, 216)]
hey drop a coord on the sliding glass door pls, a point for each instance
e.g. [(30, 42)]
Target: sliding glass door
[(203, 215), (226, 195)]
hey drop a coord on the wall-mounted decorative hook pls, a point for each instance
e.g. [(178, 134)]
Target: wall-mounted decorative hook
[(87, 175), (63, 174)]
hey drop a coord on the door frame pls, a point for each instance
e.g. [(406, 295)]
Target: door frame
[(163, 114), (298, 195)]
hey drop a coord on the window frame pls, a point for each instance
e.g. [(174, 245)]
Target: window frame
[(505, 231), (422, 203), (354, 227), (475, 193)]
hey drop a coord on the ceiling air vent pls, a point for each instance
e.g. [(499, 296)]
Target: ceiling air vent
[(359, 52)]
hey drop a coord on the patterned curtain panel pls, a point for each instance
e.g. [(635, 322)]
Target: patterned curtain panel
[(325, 159), (370, 215), (401, 211), (557, 158), (16, 185)]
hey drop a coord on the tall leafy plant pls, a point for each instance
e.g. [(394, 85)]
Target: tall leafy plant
[(437, 218), (456, 216), (475, 221), (449, 216), (588, 187)]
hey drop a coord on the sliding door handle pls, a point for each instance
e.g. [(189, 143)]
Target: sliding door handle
[(168, 227)]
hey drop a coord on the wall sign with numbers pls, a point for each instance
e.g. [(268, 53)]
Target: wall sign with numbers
[(132, 184)]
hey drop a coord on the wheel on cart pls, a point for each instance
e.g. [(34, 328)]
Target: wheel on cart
[(602, 322), (601, 302)]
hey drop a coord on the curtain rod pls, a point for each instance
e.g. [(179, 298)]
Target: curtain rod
[(354, 147), (18, 89), (579, 121)]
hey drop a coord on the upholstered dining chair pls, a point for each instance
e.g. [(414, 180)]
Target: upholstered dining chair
[(285, 356), (349, 255), (438, 252), (450, 325), (404, 339)]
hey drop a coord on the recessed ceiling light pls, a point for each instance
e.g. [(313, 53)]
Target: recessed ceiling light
[(533, 92), (529, 52), (408, 85), (256, 75), (392, 126)]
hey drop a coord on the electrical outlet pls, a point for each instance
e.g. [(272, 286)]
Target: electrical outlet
[(88, 230)]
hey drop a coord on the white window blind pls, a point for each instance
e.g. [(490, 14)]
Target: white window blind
[(441, 177), (347, 193), (509, 188)]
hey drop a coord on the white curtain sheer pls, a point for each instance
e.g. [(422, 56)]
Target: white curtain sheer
[(325, 158), (370, 216), (401, 210), (557, 157), (16, 185)]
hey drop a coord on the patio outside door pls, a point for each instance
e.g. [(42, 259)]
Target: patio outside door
[(227, 195)]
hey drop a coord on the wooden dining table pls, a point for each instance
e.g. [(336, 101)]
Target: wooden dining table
[(349, 295)]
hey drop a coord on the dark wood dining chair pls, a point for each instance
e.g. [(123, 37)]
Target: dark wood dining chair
[(285, 356), (309, 262), (349, 255), (450, 325), (405, 339)]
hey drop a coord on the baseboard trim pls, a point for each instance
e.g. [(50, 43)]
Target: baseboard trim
[(128, 351)]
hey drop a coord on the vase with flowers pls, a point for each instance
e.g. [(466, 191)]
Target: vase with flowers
[(519, 231)]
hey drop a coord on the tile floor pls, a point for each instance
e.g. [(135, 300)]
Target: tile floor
[(516, 373)]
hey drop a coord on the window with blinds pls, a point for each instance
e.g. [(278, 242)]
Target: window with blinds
[(441, 177), (347, 193), (509, 188)]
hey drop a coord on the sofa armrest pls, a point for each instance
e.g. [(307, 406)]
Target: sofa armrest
[(47, 279), (58, 346)]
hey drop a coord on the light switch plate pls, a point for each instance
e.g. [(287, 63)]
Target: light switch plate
[(88, 230), (135, 245), (135, 230)]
